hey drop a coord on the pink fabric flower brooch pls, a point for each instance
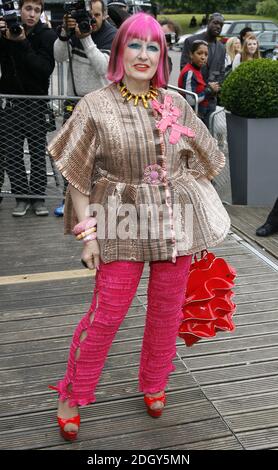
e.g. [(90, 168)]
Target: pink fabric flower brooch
[(170, 115), (154, 174)]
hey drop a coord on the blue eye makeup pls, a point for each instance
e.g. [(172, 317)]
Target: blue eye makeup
[(138, 46), (152, 48), (134, 45)]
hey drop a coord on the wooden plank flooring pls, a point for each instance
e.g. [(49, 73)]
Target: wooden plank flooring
[(223, 394), (246, 220)]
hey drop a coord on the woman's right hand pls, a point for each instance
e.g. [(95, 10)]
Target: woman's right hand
[(91, 254)]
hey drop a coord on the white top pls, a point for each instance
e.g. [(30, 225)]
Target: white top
[(228, 60), (236, 61)]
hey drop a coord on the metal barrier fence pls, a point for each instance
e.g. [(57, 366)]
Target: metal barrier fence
[(186, 92), (27, 125), (218, 129)]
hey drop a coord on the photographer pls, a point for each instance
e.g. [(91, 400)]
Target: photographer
[(172, 32), (88, 53), (26, 59), (117, 11)]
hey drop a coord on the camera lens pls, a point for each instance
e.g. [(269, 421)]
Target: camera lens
[(15, 30), (84, 26)]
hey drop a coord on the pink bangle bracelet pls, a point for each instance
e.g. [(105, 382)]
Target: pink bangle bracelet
[(84, 234), (90, 237), (84, 225)]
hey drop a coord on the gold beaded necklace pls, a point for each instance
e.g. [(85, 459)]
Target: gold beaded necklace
[(150, 95)]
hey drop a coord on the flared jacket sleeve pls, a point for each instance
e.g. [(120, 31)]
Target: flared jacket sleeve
[(74, 148), (205, 158)]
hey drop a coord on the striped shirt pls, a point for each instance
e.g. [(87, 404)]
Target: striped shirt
[(191, 79)]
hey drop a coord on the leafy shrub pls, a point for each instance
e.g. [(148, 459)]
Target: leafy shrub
[(251, 90), (267, 7)]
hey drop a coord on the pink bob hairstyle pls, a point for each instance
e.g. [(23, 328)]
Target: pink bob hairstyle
[(145, 27)]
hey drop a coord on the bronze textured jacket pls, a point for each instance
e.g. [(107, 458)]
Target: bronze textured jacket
[(113, 152)]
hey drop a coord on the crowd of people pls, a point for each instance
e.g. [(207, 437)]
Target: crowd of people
[(205, 63), (128, 144), (28, 59), (27, 62)]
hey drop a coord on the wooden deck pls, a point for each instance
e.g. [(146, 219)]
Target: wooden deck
[(246, 220), (223, 394)]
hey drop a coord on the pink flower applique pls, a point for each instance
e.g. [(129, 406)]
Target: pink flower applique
[(170, 115), (154, 174)]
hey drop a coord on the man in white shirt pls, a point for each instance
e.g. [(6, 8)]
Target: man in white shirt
[(89, 56), (89, 51)]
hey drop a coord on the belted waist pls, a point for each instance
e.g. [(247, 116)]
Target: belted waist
[(152, 175)]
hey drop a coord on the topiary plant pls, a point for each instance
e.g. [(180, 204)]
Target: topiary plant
[(251, 90)]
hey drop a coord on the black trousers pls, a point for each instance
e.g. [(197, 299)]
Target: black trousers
[(273, 215), (210, 110), (22, 120)]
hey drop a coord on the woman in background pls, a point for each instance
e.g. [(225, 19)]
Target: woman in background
[(233, 47), (250, 51)]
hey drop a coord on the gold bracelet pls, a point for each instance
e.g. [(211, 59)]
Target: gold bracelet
[(84, 234)]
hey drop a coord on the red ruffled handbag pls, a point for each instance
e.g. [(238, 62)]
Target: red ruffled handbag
[(208, 307)]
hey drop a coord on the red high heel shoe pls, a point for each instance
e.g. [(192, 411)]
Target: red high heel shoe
[(69, 435), (155, 413)]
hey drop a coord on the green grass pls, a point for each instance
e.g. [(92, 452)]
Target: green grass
[(184, 19)]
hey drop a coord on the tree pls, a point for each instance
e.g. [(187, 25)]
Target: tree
[(246, 6), (210, 6), (267, 8), (172, 4)]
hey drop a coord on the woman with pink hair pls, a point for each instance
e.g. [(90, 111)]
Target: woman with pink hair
[(135, 148)]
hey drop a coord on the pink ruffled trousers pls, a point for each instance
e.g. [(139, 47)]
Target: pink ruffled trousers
[(116, 285)]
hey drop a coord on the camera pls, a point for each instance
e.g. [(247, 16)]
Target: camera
[(9, 11), (171, 38), (77, 10)]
